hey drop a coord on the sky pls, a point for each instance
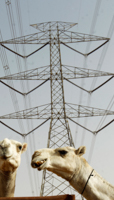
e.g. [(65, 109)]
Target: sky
[(94, 17)]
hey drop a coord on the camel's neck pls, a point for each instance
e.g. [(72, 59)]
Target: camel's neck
[(96, 189), (7, 184)]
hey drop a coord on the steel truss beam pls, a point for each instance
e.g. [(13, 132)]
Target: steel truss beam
[(69, 72), (44, 112), (83, 73), (44, 38), (40, 73), (64, 26)]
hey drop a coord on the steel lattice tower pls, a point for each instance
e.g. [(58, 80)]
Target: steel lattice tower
[(59, 131), (54, 34)]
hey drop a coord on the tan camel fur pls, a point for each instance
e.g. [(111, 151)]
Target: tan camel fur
[(10, 157), (68, 163)]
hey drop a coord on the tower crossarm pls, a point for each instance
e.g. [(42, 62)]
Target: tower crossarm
[(41, 73), (74, 37), (53, 25), (35, 38), (43, 38), (78, 111), (71, 72), (39, 112), (44, 112)]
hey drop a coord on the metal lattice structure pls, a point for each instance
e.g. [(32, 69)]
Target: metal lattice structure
[(58, 111)]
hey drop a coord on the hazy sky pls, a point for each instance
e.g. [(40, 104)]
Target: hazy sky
[(93, 17)]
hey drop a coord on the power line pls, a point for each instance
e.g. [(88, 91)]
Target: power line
[(13, 33)]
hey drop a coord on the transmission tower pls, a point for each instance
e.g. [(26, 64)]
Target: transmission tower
[(58, 111)]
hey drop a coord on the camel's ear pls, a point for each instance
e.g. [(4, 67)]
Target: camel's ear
[(80, 151), (24, 147)]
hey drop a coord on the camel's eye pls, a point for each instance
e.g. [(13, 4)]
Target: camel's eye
[(20, 147), (63, 152)]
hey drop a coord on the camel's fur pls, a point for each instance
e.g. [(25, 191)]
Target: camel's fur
[(68, 163), (10, 157)]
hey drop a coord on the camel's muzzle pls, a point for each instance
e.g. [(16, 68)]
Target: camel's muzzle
[(37, 164)]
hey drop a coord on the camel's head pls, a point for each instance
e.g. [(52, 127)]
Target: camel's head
[(61, 161), (10, 154)]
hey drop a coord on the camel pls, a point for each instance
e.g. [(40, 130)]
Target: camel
[(68, 163), (10, 157)]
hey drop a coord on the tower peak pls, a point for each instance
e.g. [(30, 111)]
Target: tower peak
[(53, 25)]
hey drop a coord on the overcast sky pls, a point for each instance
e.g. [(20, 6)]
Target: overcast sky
[(93, 17)]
